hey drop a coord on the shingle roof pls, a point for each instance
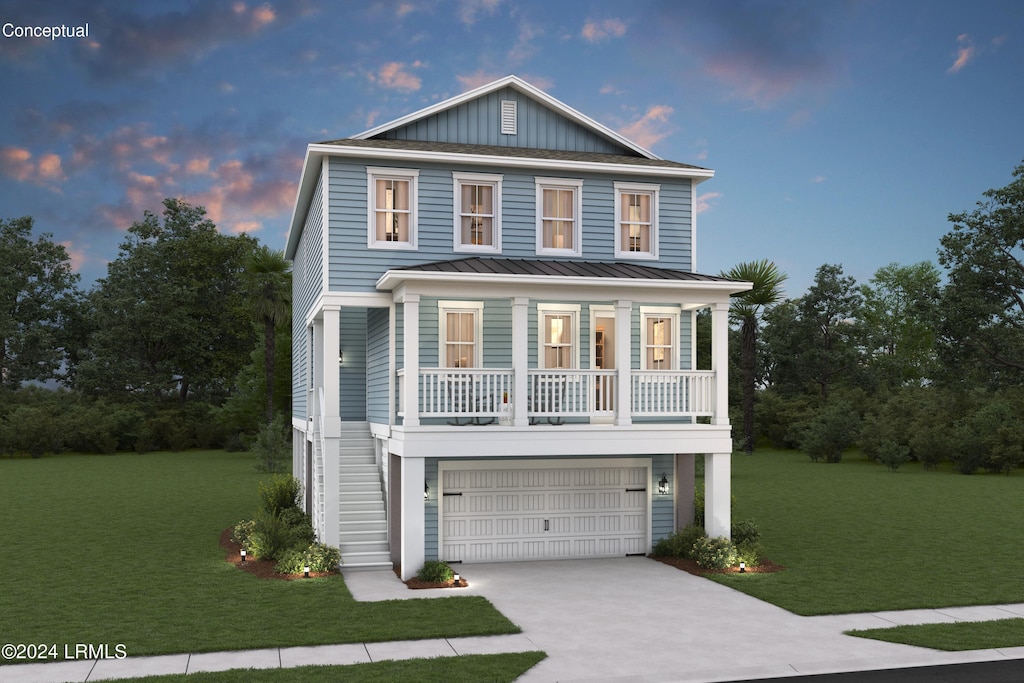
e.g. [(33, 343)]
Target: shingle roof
[(517, 152), (505, 266)]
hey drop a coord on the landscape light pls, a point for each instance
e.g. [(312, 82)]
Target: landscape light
[(243, 554), (307, 572), (743, 567)]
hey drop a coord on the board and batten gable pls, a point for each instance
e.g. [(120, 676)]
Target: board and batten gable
[(355, 267), (479, 122)]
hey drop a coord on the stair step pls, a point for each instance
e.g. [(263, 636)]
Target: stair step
[(365, 560), (378, 525), (363, 547)]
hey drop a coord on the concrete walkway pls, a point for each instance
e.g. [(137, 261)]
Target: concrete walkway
[(629, 619)]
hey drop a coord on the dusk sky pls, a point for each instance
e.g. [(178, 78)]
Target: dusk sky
[(839, 131)]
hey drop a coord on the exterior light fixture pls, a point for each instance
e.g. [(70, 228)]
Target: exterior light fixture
[(743, 567), (456, 578), (426, 490), (243, 554), (663, 484), (341, 357), (306, 573)]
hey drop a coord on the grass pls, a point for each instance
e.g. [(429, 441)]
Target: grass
[(857, 538), (469, 668), (124, 550), (962, 635)]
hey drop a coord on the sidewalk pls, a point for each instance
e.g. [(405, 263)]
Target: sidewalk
[(613, 620)]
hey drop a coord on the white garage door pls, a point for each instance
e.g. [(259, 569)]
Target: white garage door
[(508, 514)]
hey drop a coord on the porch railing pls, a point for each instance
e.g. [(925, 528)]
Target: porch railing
[(487, 393)]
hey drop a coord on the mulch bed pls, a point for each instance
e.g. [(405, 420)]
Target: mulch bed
[(691, 567), (263, 569)]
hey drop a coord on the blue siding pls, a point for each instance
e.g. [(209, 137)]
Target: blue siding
[(352, 380), (478, 122), (307, 283), (663, 508), (354, 267), (377, 371), (430, 509)]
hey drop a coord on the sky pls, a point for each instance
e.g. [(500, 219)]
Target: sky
[(840, 131)]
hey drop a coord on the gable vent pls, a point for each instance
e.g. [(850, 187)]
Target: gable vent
[(508, 117)]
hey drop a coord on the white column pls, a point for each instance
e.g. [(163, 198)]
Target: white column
[(720, 361), (412, 551), (411, 360), (520, 359), (717, 494), (623, 362), (332, 425)]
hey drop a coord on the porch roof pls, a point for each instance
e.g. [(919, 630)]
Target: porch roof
[(549, 272)]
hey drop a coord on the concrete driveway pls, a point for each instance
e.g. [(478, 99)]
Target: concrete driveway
[(634, 619)]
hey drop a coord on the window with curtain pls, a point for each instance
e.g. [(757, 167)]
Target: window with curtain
[(460, 342), (477, 212), (559, 229), (659, 343), (636, 210), (392, 198), (559, 341)]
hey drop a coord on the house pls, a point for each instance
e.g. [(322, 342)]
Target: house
[(495, 338)]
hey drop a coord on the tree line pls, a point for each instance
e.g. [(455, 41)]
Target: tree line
[(916, 364), (177, 346)]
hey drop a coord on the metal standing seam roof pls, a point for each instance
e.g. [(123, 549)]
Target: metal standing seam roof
[(518, 152), (584, 269)]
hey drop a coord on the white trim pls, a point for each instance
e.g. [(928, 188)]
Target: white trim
[(325, 217), (576, 186), (494, 180), (671, 312), (474, 307), (571, 310), (522, 86), (653, 191), (410, 175)]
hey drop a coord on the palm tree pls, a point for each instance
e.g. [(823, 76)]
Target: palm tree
[(747, 309), (268, 285)]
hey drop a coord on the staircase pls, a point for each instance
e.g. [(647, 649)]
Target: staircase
[(363, 537)]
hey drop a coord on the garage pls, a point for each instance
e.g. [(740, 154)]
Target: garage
[(543, 510)]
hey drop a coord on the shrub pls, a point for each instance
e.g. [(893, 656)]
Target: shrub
[(272, 446), (892, 454), (435, 571), (242, 531), (301, 525), (282, 493), (745, 531), (318, 557), (271, 537), (750, 553), (714, 553), (830, 432), (680, 543)]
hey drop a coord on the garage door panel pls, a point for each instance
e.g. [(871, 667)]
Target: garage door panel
[(507, 515)]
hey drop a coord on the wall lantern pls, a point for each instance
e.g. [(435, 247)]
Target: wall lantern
[(426, 490), (663, 484), (341, 357)]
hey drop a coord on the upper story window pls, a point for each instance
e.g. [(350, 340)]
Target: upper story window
[(559, 336), (477, 212), (636, 221), (659, 337), (391, 196), (559, 217)]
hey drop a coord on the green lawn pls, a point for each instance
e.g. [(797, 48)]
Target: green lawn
[(468, 668), (963, 635), (857, 538), (124, 550)]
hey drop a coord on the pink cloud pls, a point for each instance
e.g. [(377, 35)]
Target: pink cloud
[(596, 31), (706, 202), (19, 164), (393, 75), (469, 9), (964, 54), (76, 255), (651, 127)]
